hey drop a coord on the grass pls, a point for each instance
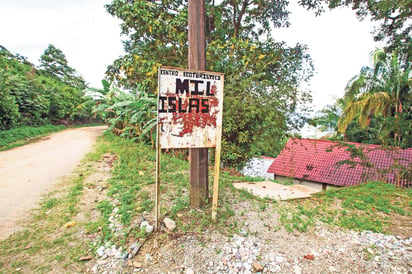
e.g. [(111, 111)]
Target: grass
[(369, 206), (132, 185), (24, 135)]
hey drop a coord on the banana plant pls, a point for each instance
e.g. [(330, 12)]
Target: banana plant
[(132, 115)]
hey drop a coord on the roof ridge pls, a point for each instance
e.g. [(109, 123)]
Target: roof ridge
[(345, 142)]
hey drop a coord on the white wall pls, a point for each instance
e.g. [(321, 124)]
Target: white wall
[(257, 167), (315, 185)]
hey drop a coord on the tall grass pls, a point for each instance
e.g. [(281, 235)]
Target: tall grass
[(8, 138)]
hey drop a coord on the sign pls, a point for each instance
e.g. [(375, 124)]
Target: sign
[(190, 106)]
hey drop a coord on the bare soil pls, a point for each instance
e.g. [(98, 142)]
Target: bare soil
[(30, 171)]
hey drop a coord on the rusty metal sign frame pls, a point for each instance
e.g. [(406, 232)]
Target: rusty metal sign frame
[(197, 102), (190, 106)]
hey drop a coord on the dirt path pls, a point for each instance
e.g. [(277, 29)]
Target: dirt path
[(28, 172)]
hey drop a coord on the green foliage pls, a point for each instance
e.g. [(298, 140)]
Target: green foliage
[(376, 106), (27, 97), (262, 76), (129, 115), (364, 207), (11, 136), (381, 93), (54, 63), (328, 117), (133, 176)]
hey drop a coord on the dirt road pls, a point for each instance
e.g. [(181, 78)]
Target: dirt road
[(30, 171)]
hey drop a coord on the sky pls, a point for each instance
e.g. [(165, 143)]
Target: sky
[(82, 29), (339, 45), (338, 42)]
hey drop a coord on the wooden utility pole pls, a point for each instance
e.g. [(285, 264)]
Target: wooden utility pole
[(199, 183)]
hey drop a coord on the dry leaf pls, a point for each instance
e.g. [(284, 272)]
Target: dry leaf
[(86, 258), (309, 257), (69, 224)]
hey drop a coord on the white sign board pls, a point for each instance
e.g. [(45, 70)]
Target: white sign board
[(190, 105)]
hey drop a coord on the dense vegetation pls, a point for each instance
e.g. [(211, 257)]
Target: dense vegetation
[(31, 96), (264, 101), (263, 98), (377, 105), (128, 114), (23, 135)]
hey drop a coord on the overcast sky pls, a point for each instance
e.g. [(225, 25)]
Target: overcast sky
[(90, 38)]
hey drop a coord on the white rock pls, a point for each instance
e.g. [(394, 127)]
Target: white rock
[(227, 249), (100, 251), (271, 257), (189, 271), (118, 254), (101, 262), (169, 224), (297, 269), (147, 227), (275, 268), (332, 269)]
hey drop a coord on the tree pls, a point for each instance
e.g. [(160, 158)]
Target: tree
[(262, 76), (381, 92), (328, 117), (9, 110), (54, 63), (29, 97), (393, 15)]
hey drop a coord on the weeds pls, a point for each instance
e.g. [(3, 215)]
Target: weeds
[(23, 135), (364, 207)]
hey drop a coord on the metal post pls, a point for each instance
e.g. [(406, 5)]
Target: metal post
[(199, 183)]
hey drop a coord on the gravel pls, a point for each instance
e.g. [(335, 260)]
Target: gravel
[(257, 248), (324, 251)]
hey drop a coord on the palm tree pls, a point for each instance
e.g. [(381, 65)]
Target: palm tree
[(378, 91), (326, 119)]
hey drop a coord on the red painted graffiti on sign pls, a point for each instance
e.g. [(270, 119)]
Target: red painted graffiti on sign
[(193, 116), (189, 107)]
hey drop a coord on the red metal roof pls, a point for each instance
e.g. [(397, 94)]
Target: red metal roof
[(322, 161)]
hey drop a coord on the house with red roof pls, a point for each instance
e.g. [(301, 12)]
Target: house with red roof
[(322, 164)]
